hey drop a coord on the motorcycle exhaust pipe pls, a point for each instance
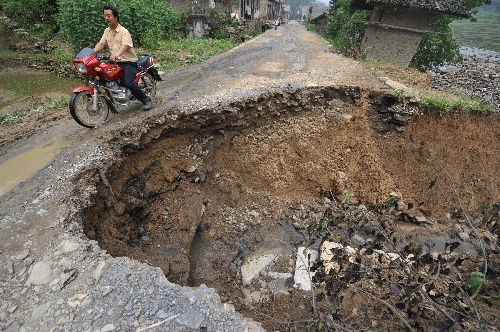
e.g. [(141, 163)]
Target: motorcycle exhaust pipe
[(94, 101)]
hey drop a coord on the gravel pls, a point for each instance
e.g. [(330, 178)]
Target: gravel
[(477, 76)]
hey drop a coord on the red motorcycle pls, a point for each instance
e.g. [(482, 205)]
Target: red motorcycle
[(90, 104)]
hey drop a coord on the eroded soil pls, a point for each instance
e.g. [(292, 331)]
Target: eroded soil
[(243, 184)]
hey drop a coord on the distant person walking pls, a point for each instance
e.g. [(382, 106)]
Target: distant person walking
[(276, 23)]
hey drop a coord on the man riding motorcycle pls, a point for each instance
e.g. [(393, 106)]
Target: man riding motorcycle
[(119, 42)]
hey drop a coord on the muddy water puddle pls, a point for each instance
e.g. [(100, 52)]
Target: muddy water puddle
[(22, 167), (16, 86)]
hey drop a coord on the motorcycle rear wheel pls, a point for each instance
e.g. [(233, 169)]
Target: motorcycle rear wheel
[(148, 85), (80, 108)]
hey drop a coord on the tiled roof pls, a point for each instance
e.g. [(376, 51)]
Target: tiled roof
[(453, 7)]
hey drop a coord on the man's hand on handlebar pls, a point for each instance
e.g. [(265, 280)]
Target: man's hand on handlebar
[(107, 57), (114, 58)]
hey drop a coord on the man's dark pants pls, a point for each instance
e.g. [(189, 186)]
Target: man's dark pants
[(130, 70)]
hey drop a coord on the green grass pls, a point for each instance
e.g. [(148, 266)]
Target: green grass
[(16, 116), (176, 53), (445, 105), (481, 34), (23, 84)]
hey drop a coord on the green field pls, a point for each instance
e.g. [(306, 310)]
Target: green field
[(482, 34)]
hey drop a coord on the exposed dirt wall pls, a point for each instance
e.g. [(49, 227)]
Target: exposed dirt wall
[(277, 152)]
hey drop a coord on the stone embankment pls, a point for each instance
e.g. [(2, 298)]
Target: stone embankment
[(477, 76)]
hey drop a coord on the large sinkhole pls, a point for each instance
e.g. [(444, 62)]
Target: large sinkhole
[(223, 196)]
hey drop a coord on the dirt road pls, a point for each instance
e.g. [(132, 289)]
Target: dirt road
[(241, 153)]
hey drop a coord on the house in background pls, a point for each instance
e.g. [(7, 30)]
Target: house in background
[(396, 27), (245, 9), (311, 12), (242, 10)]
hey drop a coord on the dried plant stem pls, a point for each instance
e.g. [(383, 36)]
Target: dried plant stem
[(388, 305), (467, 216)]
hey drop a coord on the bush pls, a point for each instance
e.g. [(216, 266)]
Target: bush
[(34, 15), (344, 29), (149, 21), (437, 49)]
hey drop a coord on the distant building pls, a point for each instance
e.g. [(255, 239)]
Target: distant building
[(310, 12), (245, 9), (396, 27)]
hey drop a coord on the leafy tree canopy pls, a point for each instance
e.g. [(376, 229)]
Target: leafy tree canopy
[(81, 21), (37, 16)]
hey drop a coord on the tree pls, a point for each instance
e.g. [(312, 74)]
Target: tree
[(439, 49), (344, 29), (35, 15)]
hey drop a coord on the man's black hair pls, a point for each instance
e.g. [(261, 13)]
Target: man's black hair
[(114, 11)]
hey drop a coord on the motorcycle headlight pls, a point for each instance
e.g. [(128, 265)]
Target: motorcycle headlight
[(80, 67)]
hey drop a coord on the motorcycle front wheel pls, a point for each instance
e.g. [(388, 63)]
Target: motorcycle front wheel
[(148, 85), (80, 108)]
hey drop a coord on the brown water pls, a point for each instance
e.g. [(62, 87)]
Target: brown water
[(17, 86), (21, 168)]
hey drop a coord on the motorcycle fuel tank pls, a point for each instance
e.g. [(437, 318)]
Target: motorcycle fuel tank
[(110, 71)]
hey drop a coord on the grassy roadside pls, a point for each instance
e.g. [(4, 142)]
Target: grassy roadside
[(183, 52), (417, 89)]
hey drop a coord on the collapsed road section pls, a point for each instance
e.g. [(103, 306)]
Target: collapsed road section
[(224, 196)]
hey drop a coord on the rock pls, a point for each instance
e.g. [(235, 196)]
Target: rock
[(78, 300), (23, 255), (68, 246), (420, 220), (254, 218), (68, 276), (303, 274), (252, 267), (99, 270), (464, 236), (255, 296), (474, 71), (400, 206), (162, 314), (40, 274), (191, 319), (39, 311), (108, 327)]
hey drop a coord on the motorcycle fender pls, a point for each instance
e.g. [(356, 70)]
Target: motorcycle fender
[(155, 74), (83, 88)]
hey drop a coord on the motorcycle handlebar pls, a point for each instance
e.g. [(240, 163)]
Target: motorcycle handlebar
[(106, 57)]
